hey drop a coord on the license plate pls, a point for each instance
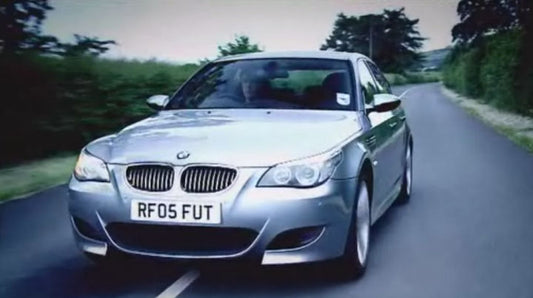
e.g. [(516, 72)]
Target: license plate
[(175, 211)]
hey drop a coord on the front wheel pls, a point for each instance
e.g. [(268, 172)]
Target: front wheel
[(407, 184), (353, 263)]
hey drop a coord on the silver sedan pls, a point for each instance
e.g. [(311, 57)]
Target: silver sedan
[(276, 157)]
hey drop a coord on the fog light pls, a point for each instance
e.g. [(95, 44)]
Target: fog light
[(295, 238), (85, 229)]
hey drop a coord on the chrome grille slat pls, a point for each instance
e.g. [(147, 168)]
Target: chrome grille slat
[(150, 177), (136, 178), (160, 179), (143, 184), (192, 179), (211, 181), (155, 178), (223, 180), (217, 179), (170, 181), (186, 180), (207, 179), (150, 180), (201, 179), (141, 179), (226, 178), (196, 175)]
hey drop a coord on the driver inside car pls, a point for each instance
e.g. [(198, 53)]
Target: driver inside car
[(254, 85)]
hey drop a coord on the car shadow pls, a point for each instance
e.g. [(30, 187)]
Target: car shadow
[(237, 279), (74, 275)]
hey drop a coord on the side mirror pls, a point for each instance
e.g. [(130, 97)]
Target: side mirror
[(384, 102), (157, 102)]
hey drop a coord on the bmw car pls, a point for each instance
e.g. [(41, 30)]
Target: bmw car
[(280, 158)]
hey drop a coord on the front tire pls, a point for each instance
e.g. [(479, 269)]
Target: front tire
[(407, 184), (353, 263)]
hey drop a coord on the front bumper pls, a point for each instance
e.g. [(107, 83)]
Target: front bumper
[(268, 212)]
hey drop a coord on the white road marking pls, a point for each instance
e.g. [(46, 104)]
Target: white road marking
[(180, 285), (405, 92)]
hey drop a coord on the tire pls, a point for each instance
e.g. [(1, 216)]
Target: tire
[(353, 263), (407, 180)]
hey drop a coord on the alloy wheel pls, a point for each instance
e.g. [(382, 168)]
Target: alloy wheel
[(408, 170), (363, 224)]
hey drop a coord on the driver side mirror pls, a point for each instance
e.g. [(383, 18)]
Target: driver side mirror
[(384, 102), (157, 102)]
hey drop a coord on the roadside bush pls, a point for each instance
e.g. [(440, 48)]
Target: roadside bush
[(396, 79), (498, 71), (412, 77), (52, 105), (463, 72), (489, 71)]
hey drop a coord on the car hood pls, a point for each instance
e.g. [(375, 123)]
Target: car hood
[(240, 138)]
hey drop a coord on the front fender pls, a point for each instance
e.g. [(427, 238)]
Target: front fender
[(354, 154)]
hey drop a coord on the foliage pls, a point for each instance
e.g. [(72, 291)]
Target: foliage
[(241, 45), (20, 25), (59, 104), (20, 31), (482, 17), (394, 37), (497, 72), (490, 71), (464, 75), (85, 46), (35, 176), (396, 79)]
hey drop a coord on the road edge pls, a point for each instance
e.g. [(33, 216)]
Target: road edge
[(30, 194), (522, 136)]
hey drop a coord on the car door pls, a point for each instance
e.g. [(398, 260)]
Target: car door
[(396, 135), (376, 139)]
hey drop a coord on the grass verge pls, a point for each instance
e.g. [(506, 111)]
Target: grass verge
[(517, 128), (34, 176), (517, 137)]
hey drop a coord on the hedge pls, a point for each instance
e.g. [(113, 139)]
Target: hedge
[(489, 71), (52, 105)]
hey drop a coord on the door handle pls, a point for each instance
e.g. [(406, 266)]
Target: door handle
[(393, 124)]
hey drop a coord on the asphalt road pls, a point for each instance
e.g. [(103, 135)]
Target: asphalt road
[(467, 232)]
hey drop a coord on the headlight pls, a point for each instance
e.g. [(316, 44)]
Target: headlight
[(302, 173), (91, 168)]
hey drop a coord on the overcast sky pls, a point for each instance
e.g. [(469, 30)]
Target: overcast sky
[(188, 30)]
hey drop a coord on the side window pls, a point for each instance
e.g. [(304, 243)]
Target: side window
[(368, 85), (383, 84)]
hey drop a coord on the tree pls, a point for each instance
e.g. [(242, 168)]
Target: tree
[(85, 46), (481, 17), (20, 31), (390, 38), (20, 24), (241, 45)]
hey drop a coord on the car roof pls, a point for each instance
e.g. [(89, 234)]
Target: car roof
[(295, 54)]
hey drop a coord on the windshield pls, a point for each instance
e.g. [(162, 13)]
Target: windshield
[(321, 84)]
